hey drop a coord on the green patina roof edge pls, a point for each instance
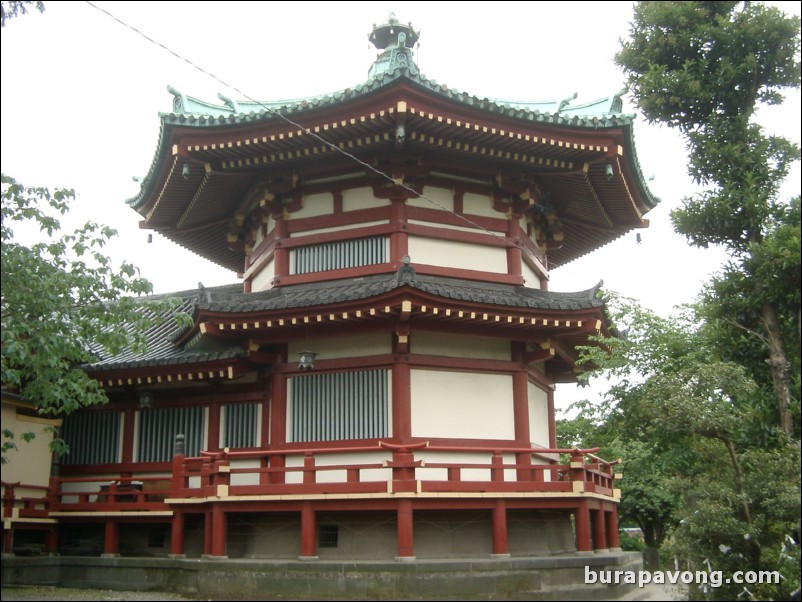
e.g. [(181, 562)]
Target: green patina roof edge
[(575, 116)]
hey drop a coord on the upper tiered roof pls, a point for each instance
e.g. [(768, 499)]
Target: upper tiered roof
[(211, 157)]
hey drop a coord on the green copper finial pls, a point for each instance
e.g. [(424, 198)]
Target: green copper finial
[(396, 40)]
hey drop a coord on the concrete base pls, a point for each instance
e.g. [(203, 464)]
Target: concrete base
[(559, 577)]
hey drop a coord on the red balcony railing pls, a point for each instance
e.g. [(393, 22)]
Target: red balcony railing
[(382, 468)]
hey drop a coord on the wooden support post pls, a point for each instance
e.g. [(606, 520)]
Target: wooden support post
[(599, 530), (405, 533), (51, 541), (218, 549), (583, 527), (308, 531), (8, 540), (612, 529), (207, 533), (399, 239), (278, 426), (402, 408), (111, 540), (310, 475), (499, 520), (177, 535)]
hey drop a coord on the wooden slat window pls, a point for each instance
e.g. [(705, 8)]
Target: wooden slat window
[(241, 422), (336, 406), (339, 255), (93, 437), (159, 426)]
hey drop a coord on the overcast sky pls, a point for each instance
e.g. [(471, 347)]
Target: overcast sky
[(81, 95)]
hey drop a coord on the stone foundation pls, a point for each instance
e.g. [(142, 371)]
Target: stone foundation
[(558, 577)]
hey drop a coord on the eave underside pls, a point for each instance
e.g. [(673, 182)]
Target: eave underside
[(228, 164)]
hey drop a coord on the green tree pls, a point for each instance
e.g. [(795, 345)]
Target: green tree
[(15, 8), (705, 68), (687, 419), (61, 298)]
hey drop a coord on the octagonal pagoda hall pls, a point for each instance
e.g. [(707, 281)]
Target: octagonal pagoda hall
[(380, 384)]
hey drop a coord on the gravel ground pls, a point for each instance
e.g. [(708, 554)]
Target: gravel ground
[(33, 592)]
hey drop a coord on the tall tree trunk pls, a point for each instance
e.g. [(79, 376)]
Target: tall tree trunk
[(779, 366)]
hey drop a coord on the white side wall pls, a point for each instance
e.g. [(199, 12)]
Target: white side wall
[(263, 279), (531, 279), (313, 205), (30, 462), (457, 345), (432, 473), (447, 253), (361, 198), (479, 204), (442, 197), (538, 415), (461, 405), (346, 346)]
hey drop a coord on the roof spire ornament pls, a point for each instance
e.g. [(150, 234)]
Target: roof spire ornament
[(396, 40)]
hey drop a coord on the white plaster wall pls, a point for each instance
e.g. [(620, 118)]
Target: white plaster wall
[(361, 198), (453, 254), (457, 345), (427, 473), (538, 415), (30, 462), (343, 346), (442, 197), (338, 228), (531, 279), (263, 279), (341, 476), (479, 204), (462, 405), (313, 205), (246, 478)]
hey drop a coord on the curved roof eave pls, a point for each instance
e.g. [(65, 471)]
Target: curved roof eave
[(203, 114)]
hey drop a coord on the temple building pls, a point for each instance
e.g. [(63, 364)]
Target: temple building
[(380, 384)]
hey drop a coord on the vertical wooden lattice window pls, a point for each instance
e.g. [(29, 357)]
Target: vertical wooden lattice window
[(93, 437), (158, 428), (345, 405), (339, 255), (241, 423)]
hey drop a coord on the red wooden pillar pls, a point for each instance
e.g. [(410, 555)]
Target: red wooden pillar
[(612, 528), (281, 255), (514, 256), (405, 534), (499, 520), (402, 403), (213, 435), (399, 239), (308, 531), (218, 549), (520, 409), (177, 535), (583, 527), (51, 541), (207, 533), (8, 540), (111, 541), (599, 530), (129, 434), (278, 425), (552, 420)]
